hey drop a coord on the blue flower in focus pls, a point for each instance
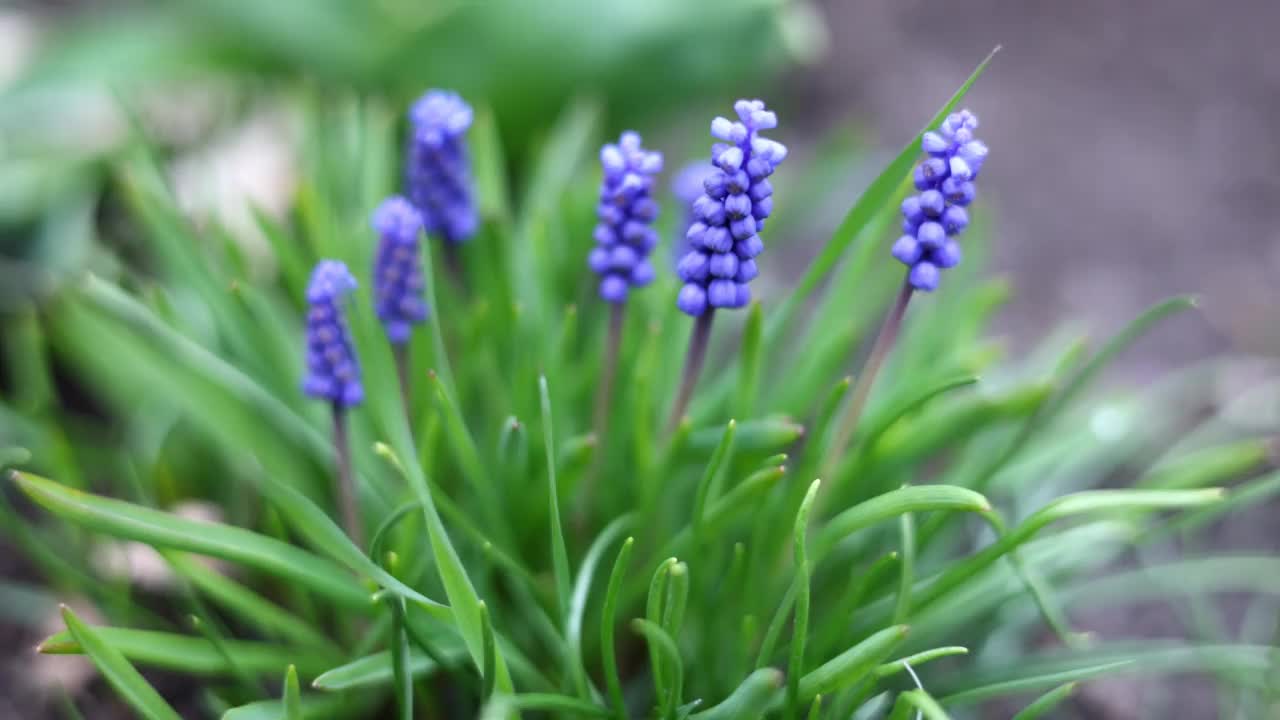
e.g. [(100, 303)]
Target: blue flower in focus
[(398, 284), (333, 372), (724, 240), (623, 234), (438, 176), (687, 187), (934, 218)]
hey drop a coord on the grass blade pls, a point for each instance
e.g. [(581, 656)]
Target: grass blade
[(292, 695), (801, 626), (666, 647), (401, 677), (607, 621), (559, 554), (1047, 703), (748, 700), (920, 701), (126, 681), (184, 653), (708, 486), (852, 665), (916, 498), (488, 667), (893, 668), (578, 601), (163, 530)]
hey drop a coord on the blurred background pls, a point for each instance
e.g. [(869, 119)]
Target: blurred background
[(1133, 151)]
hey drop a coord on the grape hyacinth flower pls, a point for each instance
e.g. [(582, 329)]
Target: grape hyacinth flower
[(934, 218), (687, 187), (438, 172), (624, 239), (333, 372), (623, 234), (724, 240), (398, 284)]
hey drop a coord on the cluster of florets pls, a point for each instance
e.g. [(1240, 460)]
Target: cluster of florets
[(438, 172), (624, 236), (398, 285), (333, 373), (933, 218), (724, 240)]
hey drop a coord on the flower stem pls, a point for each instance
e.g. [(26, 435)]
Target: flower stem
[(604, 392), (692, 367), (453, 265), (401, 353), (347, 504), (604, 402), (862, 387)]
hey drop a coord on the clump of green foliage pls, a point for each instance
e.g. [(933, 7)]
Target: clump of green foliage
[(519, 564)]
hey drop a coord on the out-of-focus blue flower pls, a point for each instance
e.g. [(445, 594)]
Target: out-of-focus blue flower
[(934, 218), (398, 284), (438, 172), (624, 236), (724, 239), (333, 372)]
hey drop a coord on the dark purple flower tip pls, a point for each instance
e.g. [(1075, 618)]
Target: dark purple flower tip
[(627, 209), (936, 216), (333, 371), (398, 283), (438, 172)]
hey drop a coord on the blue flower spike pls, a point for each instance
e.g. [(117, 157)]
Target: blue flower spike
[(333, 371), (623, 234), (935, 217), (438, 172), (398, 283), (724, 240)]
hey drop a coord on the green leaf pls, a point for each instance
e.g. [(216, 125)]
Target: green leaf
[(184, 653), (880, 422), (578, 601), (708, 485), (851, 666), (162, 530), (1091, 502), (13, 456), (607, 620), (463, 600), (1047, 703), (313, 707), (130, 685), (749, 363), (767, 435), (376, 670), (748, 700), (1209, 466), (907, 532), (920, 701), (892, 668), (801, 626), (490, 653), (1247, 665), (558, 705), (559, 554), (292, 695), (265, 616), (916, 498), (662, 643), (401, 677)]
